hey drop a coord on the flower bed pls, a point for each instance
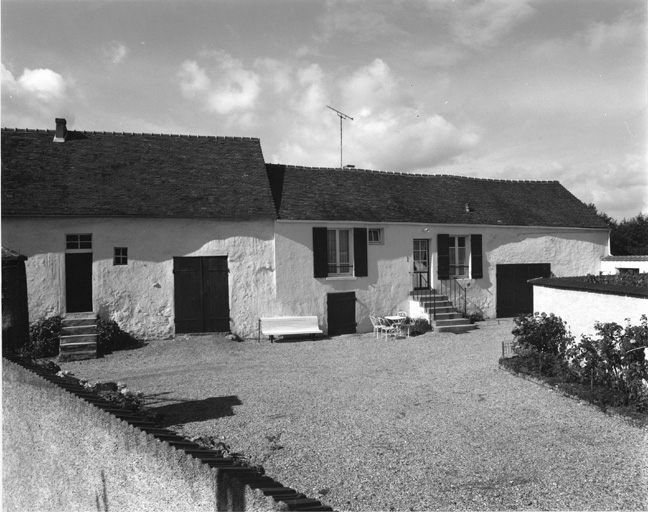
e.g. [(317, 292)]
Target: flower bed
[(609, 370)]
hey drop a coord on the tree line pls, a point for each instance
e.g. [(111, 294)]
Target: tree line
[(628, 237)]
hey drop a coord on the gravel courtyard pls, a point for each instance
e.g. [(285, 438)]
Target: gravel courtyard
[(423, 423)]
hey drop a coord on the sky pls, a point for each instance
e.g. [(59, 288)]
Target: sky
[(503, 89)]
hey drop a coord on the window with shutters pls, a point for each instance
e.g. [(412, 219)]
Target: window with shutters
[(460, 256), (339, 252)]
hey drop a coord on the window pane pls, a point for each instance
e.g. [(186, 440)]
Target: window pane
[(332, 251), (461, 256), (461, 241), (344, 251)]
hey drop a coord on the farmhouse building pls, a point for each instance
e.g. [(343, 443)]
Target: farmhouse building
[(183, 234)]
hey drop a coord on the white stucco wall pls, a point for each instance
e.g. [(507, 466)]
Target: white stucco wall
[(614, 266), (582, 309), (386, 289), (139, 296)]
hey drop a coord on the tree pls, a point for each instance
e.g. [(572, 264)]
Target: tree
[(628, 237)]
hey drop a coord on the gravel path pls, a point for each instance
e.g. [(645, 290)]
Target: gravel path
[(423, 423)]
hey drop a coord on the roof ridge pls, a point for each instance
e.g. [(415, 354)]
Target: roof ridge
[(96, 132), (419, 174)]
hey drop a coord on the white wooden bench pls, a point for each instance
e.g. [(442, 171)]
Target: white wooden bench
[(286, 325)]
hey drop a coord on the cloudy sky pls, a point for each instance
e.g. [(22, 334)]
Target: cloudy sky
[(515, 89)]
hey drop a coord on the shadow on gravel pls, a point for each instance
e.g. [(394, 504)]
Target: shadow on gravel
[(192, 411)]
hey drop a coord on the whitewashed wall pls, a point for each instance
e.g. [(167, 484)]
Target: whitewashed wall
[(610, 266), (386, 289), (139, 296), (582, 309)]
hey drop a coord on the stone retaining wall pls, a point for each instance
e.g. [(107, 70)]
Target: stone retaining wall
[(61, 453)]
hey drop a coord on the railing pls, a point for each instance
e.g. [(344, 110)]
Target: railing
[(456, 294), (343, 269)]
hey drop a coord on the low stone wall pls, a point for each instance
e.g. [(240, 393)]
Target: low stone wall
[(60, 453), (582, 304)]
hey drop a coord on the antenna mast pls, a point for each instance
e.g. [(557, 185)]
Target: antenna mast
[(341, 116)]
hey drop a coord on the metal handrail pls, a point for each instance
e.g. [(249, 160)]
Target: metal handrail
[(456, 294)]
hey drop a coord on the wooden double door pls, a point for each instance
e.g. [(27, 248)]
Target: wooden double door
[(201, 294)]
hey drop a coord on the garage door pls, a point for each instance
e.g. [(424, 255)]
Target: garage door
[(514, 293)]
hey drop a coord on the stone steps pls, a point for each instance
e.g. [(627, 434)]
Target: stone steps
[(78, 337), (448, 319)]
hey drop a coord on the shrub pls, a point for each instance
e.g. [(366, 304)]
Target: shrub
[(44, 338), (110, 337), (543, 333), (623, 279), (421, 326), (615, 359), (476, 316)]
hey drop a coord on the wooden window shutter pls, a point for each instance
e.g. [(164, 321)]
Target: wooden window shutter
[(443, 248), (360, 252), (320, 252), (476, 256)]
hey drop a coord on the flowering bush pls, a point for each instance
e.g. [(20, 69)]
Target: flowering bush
[(44, 338), (540, 332), (616, 359)]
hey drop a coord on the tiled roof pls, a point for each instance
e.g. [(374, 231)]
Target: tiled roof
[(140, 175), (372, 196)]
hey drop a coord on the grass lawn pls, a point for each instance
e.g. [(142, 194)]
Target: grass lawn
[(429, 422)]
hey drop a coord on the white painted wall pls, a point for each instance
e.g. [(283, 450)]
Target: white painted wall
[(582, 309), (614, 266), (139, 296), (386, 289)]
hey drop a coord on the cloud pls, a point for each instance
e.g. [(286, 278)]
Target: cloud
[(116, 52), (37, 95), (42, 84), (621, 189), (362, 20), (627, 28), (480, 24), (222, 85), (389, 130)]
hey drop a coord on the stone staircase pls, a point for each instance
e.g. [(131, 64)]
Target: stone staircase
[(78, 337), (448, 319)]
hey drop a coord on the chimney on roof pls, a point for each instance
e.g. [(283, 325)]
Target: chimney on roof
[(61, 130)]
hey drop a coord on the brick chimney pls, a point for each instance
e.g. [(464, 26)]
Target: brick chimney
[(61, 130)]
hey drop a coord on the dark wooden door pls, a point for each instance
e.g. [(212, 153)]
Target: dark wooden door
[(78, 282), (341, 313), (201, 294), (514, 293)]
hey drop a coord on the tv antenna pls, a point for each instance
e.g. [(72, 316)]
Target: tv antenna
[(342, 116)]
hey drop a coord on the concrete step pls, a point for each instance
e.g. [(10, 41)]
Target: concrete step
[(82, 345), (71, 330), (449, 315), (79, 338), (75, 319), (452, 321), (457, 329), (77, 356)]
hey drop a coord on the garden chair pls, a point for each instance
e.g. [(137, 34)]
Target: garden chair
[(376, 325), (387, 328)]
